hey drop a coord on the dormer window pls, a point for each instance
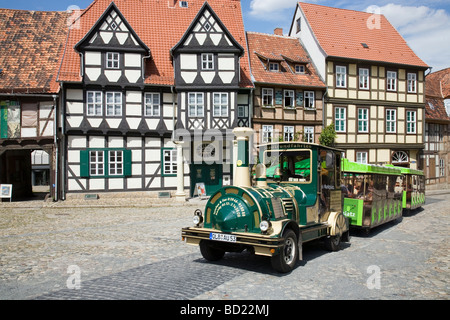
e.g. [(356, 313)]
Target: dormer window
[(274, 66), (299, 68), (112, 60)]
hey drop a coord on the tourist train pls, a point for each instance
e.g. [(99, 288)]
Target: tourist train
[(299, 192)]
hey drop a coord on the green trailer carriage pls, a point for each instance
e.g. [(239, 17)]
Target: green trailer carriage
[(413, 188), (372, 194)]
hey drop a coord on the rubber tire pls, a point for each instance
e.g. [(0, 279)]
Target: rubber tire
[(333, 243), (209, 252), (284, 261)]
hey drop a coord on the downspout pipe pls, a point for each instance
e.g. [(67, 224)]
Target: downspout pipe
[(55, 142)]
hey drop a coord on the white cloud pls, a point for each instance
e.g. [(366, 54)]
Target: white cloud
[(270, 9), (426, 30)]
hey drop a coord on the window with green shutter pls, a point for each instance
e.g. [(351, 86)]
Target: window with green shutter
[(105, 163)]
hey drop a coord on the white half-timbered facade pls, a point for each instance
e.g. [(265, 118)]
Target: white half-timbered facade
[(210, 103), (138, 86)]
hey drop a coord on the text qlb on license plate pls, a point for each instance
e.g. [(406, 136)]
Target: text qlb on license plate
[(222, 237)]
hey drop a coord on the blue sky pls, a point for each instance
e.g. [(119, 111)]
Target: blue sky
[(425, 25)]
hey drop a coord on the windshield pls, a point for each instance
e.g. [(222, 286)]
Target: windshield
[(288, 166)]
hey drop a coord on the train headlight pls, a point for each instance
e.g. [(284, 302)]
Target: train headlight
[(198, 218), (264, 225)]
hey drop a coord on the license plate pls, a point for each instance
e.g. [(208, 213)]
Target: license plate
[(222, 237)]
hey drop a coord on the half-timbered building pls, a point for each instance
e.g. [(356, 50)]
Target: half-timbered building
[(375, 83), (288, 97), (139, 75), (436, 156), (31, 46)]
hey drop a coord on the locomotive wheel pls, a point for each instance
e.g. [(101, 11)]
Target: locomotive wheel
[(285, 261), (209, 252)]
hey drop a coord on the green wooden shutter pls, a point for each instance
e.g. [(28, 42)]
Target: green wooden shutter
[(127, 163), (84, 163)]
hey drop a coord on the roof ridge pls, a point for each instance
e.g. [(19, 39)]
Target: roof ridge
[(341, 9), (34, 11), (271, 34)]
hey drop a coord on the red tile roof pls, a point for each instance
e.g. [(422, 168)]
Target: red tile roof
[(435, 110), (31, 45), (437, 88), (281, 49), (438, 84), (160, 27), (341, 33)]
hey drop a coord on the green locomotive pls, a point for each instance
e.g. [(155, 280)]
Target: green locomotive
[(296, 197)]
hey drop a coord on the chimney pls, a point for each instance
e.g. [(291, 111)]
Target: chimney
[(278, 31), (172, 3)]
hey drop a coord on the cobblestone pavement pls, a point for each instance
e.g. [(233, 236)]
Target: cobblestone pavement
[(135, 252)]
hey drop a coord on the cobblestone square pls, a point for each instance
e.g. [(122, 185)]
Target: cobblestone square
[(135, 252)]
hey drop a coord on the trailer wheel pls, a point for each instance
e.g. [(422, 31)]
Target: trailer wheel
[(209, 252), (285, 261)]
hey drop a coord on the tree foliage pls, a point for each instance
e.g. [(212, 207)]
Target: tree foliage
[(328, 136)]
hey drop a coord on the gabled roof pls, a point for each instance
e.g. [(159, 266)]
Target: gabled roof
[(160, 26), (288, 51), (344, 33), (112, 9), (31, 44), (207, 8)]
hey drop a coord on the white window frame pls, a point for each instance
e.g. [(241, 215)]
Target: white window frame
[(412, 82), (341, 77), (288, 133), (308, 100), (169, 161), (220, 108), (289, 94), (207, 61), (362, 157), (267, 134), (391, 120), (96, 163), (391, 80), (274, 66), (152, 104), (308, 134), (114, 108), (411, 121), (196, 109), (115, 162), (442, 167), (112, 60), (342, 118), (364, 78), (299, 68), (267, 92), (242, 111), (95, 107), (363, 120)]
